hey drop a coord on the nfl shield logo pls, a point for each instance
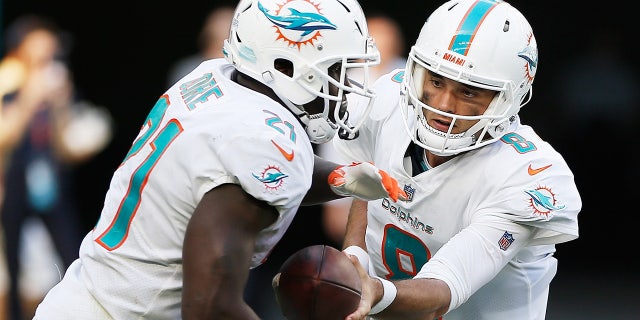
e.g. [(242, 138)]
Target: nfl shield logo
[(410, 191), (505, 241)]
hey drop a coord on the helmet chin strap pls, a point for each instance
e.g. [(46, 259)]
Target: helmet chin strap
[(342, 120), (345, 134), (320, 130), (437, 142)]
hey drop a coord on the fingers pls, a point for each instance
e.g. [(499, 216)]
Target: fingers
[(365, 304), (365, 181), (356, 262), (359, 314), (402, 195), (391, 185), (360, 254), (336, 178), (364, 274), (275, 282)]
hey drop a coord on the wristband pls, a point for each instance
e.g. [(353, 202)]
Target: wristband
[(363, 256), (388, 295)]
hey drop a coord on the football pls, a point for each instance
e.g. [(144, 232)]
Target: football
[(318, 282)]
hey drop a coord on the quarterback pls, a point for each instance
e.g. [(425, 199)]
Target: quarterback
[(488, 199)]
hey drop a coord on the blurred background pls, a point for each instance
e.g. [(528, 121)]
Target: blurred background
[(585, 103)]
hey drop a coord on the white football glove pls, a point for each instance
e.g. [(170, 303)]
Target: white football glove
[(364, 181)]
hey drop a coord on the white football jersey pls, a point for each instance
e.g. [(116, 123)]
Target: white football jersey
[(204, 132), (485, 222)]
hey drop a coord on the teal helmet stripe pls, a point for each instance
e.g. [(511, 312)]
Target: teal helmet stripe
[(470, 24)]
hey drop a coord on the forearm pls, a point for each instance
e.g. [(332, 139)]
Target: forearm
[(222, 305), (419, 298), (354, 237), (356, 225), (424, 299), (218, 247), (361, 180), (320, 191), (215, 291)]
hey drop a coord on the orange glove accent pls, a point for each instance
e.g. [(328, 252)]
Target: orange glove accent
[(364, 181)]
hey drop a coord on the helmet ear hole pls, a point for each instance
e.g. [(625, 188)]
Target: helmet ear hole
[(284, 66)]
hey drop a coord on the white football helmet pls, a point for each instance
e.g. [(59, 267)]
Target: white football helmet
[(482, 43), (312, 35)]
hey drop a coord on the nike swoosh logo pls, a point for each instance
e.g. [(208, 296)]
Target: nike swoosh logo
[(287, 155), (533, 171)]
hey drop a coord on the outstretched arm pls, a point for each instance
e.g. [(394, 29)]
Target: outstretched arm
[(320, 191), (361, 180), (419, 299), (454, 273), (409, 299), (356, 225)]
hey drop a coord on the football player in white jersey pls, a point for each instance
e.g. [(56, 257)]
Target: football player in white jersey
[(220, 166), (488, 198)]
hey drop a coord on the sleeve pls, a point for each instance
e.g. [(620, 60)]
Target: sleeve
[(547, 200), (269, 167), (551, 205), (475, 256), (529, 199)]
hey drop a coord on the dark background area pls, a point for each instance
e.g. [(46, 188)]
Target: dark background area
[(122, 51)]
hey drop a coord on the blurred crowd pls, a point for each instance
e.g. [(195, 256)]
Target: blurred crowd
[(46, 128)]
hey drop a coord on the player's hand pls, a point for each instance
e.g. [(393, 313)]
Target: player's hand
[(275, 282), (368, 288), (364, 181)]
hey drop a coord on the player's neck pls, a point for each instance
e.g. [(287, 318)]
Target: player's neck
[(253, 84)]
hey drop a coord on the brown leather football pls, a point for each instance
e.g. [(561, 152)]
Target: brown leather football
[(318, 282)]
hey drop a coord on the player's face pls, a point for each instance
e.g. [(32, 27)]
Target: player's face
[(453, 97)]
